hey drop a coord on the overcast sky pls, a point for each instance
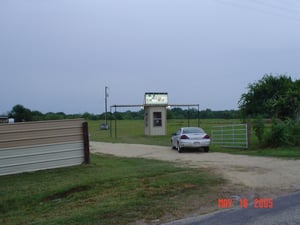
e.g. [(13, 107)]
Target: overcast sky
[(58, 55)]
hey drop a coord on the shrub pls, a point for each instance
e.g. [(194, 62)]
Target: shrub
[(259, 128), (294, 133), (283, 133)]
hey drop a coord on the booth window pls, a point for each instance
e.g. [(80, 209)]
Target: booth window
[(157, 121)]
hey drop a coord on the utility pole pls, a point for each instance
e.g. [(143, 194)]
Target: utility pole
[(106, 96)]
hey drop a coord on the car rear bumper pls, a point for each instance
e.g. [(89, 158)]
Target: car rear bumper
[(194, 143)]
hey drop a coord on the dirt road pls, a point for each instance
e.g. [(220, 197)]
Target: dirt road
[(274, 174)]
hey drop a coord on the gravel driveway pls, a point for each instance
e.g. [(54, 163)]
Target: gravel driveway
[(279, 175)]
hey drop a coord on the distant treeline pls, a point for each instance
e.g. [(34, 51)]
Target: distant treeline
[(20, 113), (179, 113)]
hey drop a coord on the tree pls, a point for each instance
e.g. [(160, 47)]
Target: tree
[(293, 100), (271, 96), (20, 113), (37, 115)]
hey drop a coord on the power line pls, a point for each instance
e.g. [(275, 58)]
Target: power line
[(253, 6), (276, 7)]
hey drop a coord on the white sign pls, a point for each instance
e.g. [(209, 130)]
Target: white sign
[(156, 99)]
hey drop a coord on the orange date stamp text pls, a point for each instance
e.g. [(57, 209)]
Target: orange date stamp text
[(258, 203)]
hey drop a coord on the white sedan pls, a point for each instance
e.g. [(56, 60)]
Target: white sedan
[(190, 137)]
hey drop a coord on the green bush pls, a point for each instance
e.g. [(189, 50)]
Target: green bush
[(283, 133), (294, 133), (259, 128)]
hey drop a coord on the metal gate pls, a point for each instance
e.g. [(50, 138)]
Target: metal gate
[(231, 136)]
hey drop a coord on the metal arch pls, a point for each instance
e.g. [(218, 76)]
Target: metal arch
[(116, 106), (188, 105), (169, 105)]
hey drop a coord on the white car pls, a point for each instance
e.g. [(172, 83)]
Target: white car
[(190, 137)]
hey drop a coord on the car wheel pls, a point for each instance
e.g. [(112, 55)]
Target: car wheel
[(179, 149), (206, 149), (173, 147)]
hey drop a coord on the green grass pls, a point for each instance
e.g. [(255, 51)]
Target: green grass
[(110, 190), (132, 131), (282, 152), (114, 190)]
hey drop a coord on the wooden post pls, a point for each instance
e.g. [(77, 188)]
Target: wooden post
[(86, 142)]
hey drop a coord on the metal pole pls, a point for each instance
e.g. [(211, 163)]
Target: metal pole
[(110, 122), (115, 121), (248, 128), (106, 95), (198, 115), (188, 116)]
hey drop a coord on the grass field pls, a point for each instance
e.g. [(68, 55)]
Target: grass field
[(110, 190), (132, 131)]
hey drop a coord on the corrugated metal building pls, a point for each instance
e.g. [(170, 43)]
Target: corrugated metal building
[(3, 119), (32, 146)]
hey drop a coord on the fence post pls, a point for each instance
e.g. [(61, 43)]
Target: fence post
[(248, 133), (86, 143)]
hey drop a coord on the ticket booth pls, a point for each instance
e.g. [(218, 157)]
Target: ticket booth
[(155, 117)]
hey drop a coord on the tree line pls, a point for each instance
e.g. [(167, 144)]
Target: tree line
[(22, 114)]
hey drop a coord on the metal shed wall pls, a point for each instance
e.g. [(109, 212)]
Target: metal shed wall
[(32, 146)]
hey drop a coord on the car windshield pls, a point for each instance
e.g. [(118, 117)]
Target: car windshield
[(191, 130)]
